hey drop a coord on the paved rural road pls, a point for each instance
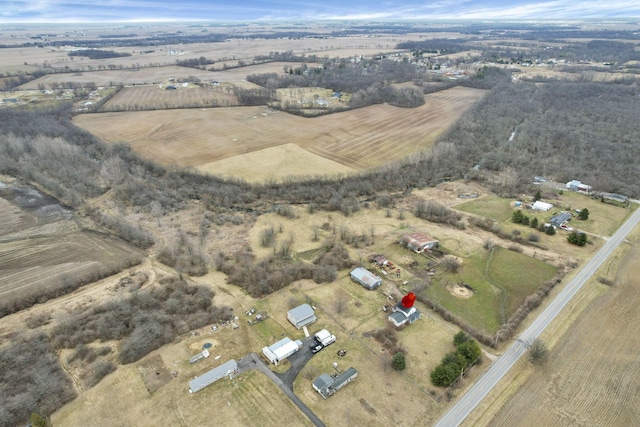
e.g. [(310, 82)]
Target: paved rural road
[(480, 389), (253, 361)]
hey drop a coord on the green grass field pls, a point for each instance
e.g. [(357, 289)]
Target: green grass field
[(491, 275), (493, 207)]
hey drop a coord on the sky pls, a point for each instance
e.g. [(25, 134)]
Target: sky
[(86, 11)]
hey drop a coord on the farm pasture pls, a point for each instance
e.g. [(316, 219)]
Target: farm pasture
[(359, 139), (591, 375)]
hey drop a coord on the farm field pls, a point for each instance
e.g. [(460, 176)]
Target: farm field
[(591, 375), (359, 139), (156, 75), (42, 248), (134, 98)]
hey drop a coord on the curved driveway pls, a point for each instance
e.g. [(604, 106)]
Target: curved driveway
[(483, 386)]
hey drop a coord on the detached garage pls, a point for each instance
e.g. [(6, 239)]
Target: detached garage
[(301, 316)]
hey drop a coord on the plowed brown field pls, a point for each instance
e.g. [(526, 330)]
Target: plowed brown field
[(593, 374), (360, 139)]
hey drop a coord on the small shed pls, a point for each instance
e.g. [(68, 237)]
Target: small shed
[(541, 206), (198, 357), (366, 278), (420, 242), (228, 368), (301, 316)]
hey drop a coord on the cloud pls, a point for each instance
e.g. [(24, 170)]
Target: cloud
[(51, 11)]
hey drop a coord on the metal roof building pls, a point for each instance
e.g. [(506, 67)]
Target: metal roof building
[(208, 378), (365, 278), (281, 350), (327, 385), (302, 315), (419, 242)]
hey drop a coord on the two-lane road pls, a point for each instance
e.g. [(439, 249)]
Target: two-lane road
[(480, 389)]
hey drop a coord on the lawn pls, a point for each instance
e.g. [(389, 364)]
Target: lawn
[(491, 275), (493, 207)]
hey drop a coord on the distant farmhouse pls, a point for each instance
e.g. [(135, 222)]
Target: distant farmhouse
[(224, 370), (281, 350), (301, 316), (575, 185), (404, 313), (366, 278), (327, 385), (419, 242)]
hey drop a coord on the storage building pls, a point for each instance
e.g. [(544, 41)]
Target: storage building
[(301, 316), (281, 350), (366, 278), (224, 370), (419, 242)]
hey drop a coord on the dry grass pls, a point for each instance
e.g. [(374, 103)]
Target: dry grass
[(375, 135)]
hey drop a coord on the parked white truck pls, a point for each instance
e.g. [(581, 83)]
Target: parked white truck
[(325, 338)]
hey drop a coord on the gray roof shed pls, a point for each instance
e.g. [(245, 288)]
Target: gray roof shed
[(301, 316)]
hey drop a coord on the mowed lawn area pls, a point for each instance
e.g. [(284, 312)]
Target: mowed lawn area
[(501, 279)]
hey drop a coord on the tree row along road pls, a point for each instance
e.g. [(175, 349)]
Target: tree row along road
[(485, 384)]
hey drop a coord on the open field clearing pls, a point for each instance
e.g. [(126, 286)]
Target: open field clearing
[(135, 98), (359, 139), (276, 164), (591, 376)]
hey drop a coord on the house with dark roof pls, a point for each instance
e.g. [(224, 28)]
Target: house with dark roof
[(558, 220), (365, 278), (404, 313), (301, 316), (327, 385)]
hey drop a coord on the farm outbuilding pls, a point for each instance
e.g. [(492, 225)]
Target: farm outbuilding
[(575, 185), (327, 385), (228, 368), (419, 242), (301, 316), (366, 278), (281, 350), (541, 206)]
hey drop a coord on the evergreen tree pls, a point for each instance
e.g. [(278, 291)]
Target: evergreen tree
[(584, 214), (537, 196), (399, 362), (550, 230), (534, 222)]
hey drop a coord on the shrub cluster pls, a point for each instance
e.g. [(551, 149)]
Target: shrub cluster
[(388, 338), (454, 363), (143, 320), (438, 213), (276, 272), (32, 379)]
